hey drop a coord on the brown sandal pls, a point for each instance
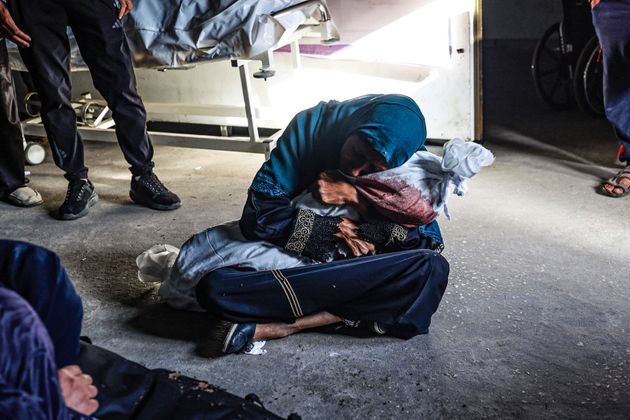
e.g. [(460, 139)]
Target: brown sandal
[(614, 181)]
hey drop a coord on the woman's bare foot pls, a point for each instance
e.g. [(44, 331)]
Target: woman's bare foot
[(280, 330), (612, 185)]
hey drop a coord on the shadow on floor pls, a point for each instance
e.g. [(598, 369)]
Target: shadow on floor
[(161, 321), (511, 103)]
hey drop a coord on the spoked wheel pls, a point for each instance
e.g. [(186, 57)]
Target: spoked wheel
[(551, 70), (589, 80)]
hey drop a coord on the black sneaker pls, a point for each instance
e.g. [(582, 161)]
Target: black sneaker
[(147, 190), (79, 198)]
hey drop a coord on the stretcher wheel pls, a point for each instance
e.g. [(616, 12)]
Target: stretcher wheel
[(551, 70), (264, 74), (589, 80), (35, 153), (32, 104)]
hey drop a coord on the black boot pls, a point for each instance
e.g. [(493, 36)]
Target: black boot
[(147, 190)]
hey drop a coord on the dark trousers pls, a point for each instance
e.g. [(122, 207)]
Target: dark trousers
[(38, 276), (104, 48), (11, 141), (400, 290), (612, 24)]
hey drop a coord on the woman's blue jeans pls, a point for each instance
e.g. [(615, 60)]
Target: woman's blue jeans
[(612, 25), (37, 275)]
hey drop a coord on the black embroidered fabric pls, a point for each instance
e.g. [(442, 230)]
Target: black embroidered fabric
[(313, 236), (385, 236), (323, 244)]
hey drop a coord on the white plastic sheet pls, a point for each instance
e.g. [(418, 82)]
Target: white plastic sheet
[(416, 192)]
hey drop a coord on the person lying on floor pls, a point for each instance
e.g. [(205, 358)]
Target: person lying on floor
[(40, 322), (287, 264)]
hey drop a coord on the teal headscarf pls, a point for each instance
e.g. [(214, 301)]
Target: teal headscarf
[(391, 124)]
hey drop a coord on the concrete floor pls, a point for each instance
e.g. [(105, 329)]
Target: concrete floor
[(535, 322)]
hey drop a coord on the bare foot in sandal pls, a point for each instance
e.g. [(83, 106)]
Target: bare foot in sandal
[(618, 185)]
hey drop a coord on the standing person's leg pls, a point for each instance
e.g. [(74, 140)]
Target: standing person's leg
[(12, 180), (610, 18), (38, 276), (48, 62), (104, 48), (400, 291)]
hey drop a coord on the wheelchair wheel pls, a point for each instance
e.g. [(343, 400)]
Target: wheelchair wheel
[(589, 80), (551, 70)]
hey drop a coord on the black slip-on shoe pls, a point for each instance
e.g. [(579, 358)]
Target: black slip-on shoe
[(227, 337), (79, 198), (148, 190), (238, 338)]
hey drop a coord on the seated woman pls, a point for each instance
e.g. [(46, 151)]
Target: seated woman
[(395, 291)]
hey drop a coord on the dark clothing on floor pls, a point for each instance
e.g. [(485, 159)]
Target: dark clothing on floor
[(29, 383), (38, 276), (11, 140), (104, 48), (400, 291), (130, 391), (612, 24)]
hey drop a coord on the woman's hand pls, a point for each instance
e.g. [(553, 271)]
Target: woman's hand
[(77, 390), (348, 232), (331, 190)]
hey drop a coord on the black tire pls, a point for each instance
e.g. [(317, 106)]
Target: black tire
[(551, 70), (591, 79)]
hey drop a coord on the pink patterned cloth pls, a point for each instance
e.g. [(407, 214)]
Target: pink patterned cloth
[(415, 193)]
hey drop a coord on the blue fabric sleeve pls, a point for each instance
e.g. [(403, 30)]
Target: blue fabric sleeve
[(424, 237), (37, 275), (29, 385), (18, 404), (266, 218), (298, 158)]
